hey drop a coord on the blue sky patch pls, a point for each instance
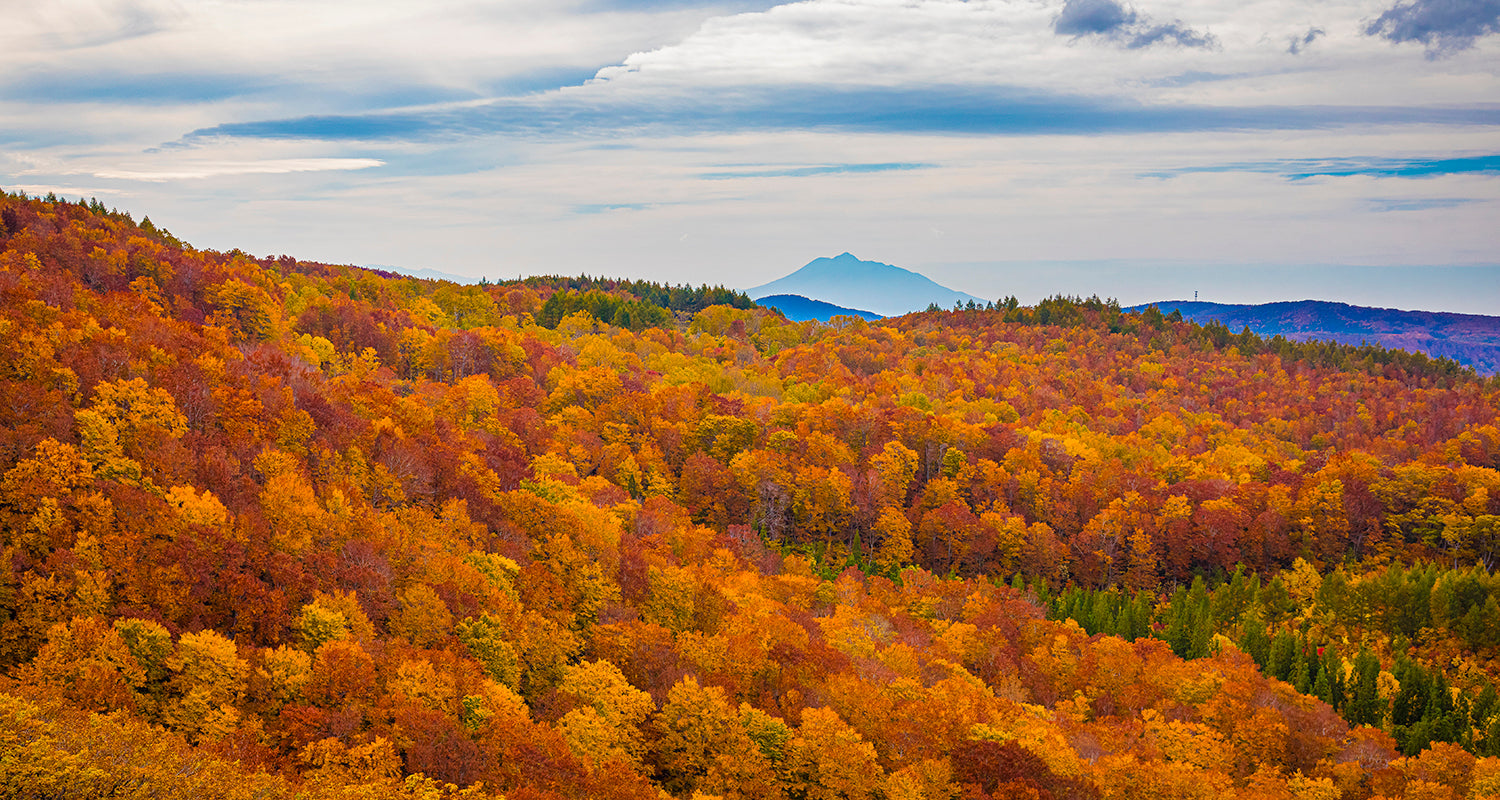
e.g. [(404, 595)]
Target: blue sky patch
[(1304, 168), (1397, 168), (601, 208), (127, 89)]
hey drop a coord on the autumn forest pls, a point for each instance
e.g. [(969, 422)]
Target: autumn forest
[(274, 529)]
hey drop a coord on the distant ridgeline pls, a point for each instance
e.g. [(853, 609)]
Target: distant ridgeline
[(637, 305), (799, 308), (646, 304), (1076, 312), (1470, 339)]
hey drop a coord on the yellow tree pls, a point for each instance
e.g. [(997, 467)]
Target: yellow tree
[(86, 662), (123, 416), (281, 675), (246, 311), (702, 746), (290, 504), (893, 532), (208, 683), (606, 725), (831, 761), (423, 618), (896, 466)]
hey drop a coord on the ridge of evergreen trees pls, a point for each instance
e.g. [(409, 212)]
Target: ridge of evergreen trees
[(679, 297), (624, 313)]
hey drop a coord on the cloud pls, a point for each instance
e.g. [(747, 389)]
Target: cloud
[(1172, 31), (1444, 26), (1401, 168), (805, 172), (1386, 204), (83, 24), (1303, 168), (1110, 19), (603, 208), (723, 6), (910, 42), (1296, 44), (213, 169), (331, 56), (1193, 76), (1083, 17), (116, 88), (915, 110), (539, 80)]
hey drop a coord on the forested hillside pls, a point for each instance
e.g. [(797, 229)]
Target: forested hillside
[(274, 528)]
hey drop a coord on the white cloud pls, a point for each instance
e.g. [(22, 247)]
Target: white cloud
[(1012, 43), (320, 50), (44, 28), (214, 169)]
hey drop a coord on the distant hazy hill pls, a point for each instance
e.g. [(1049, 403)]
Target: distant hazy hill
[(427, 274), (852, 283), (802, 309), (1466, 338)]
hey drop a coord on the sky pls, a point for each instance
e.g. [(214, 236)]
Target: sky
[(1247, 150)]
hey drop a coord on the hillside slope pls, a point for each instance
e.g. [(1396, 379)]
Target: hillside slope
[(272, 528)]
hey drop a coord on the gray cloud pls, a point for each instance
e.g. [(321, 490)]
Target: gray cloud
[(1296, 44), (1113, 20), (1444, 26), (1083, 17), (1385, 204), (1173, 31)]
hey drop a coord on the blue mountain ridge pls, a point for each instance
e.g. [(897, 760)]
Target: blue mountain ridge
[(1470, 339), (847, 281), (801, 309)]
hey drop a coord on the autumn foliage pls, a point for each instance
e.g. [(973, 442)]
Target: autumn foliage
[(270, 528)]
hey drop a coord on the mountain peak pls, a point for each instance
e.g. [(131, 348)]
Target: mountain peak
[(848, 281)]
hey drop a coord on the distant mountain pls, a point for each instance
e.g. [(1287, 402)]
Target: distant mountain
[(799, 308), (426, 274), (1469, 339), (847, 281)]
